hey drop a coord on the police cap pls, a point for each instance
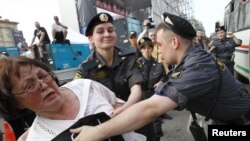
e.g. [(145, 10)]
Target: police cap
[(132, 34), (96, 20), (145, 40), (218, 27), (179, 25)]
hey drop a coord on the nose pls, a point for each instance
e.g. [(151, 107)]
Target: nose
[(42, 84), (106, 33)]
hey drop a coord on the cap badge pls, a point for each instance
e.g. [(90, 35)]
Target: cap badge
[(167, 20), (104, 17)]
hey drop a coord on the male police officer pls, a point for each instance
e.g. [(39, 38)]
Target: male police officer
[(224, 47), (133, 42), (199, 83)]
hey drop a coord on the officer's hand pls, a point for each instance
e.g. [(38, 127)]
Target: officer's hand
[(157, 84), (117, 105), (230, 34), (118, 111), (88, 133), (211, 49)]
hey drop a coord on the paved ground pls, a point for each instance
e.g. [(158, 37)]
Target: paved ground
[(176, 129)]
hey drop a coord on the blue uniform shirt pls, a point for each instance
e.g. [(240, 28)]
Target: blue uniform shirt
[(119, 78), (224, 49), (194, 85)]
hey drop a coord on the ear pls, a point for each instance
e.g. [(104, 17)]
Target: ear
[(175, 42), (90, 39)]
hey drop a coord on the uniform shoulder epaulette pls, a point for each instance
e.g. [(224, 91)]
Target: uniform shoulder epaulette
[(89, 65), (141, 60), (126, 51)]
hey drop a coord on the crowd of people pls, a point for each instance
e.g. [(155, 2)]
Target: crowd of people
[(124, 93), (59, 34)]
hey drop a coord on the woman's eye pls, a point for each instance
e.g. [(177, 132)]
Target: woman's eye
[(100, 31), (110, 30), (30, 86)]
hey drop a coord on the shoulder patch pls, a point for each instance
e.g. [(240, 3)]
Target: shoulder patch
[(220, 64), (78, 75), (177, 72), (176, 75)]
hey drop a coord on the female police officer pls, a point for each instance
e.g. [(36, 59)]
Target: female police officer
[(112, 66), (224, 47), (193, 85), (153, 73)]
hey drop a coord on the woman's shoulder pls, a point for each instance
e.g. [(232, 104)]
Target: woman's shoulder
[(78, 83), (126, 51)]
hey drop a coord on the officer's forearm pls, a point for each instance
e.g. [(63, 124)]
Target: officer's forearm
[(237, 41), (128, 120), (134, 96)]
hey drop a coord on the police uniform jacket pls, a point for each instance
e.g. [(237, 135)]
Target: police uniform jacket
[(119, 78), (152, 72), (224, 49), (194, 85)]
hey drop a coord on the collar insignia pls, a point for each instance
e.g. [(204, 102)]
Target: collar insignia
[(123, 58), (176, 75), (99, 65)]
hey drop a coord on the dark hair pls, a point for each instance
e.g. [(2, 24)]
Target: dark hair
[(9, 68), (145, 41)]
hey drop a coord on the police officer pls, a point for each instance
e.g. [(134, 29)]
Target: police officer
[(133, 42), (114, 67), (152, 36), (153, 73), (199, 83), (223, 47)]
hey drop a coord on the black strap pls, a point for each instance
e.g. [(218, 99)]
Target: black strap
[(91, 120)]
